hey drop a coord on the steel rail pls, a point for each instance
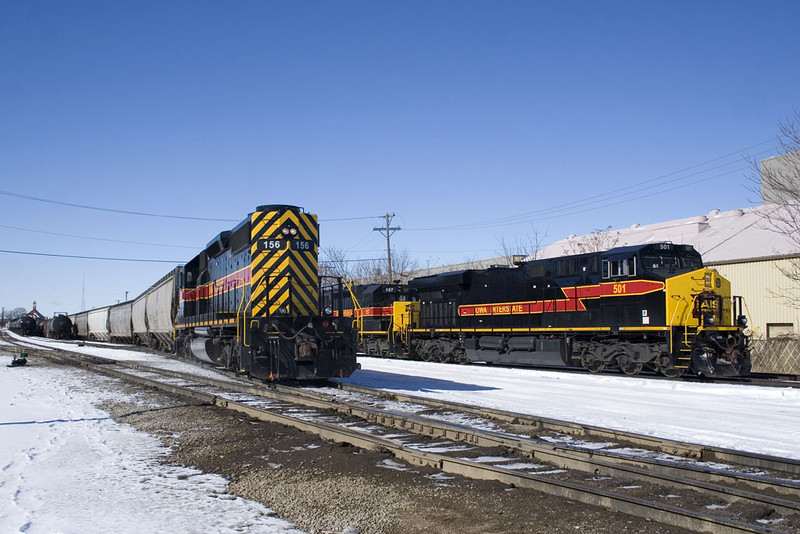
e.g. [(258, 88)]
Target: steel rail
[(698, 521), (659, 512), (601, 463), (678, 448)]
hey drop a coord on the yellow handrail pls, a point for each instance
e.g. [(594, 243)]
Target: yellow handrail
[(239, 309), (358, 318), (262, 280)]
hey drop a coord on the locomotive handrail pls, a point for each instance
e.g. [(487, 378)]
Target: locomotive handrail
[(239, 309), (358, 316), (747, 315), (261, 280), (679, 298), (700, 325), (391, 330), (671, 323)]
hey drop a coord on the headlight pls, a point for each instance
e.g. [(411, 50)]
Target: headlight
[(327, 311), (293, 231), (285, 231)]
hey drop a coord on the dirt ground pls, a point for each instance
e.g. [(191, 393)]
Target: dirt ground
[(323, 487)]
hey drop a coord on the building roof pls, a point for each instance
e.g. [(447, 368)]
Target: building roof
[(720, 236), (34, 313)]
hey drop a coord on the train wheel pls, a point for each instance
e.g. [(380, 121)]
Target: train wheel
[(461, 356), (632, 369), (671, 373), (628, 366), (594, 365)]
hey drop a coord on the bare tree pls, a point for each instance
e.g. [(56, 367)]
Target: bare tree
[(597, 241), (15, 313), (333, 262), (527, 248), (777, 179), (377, 271)]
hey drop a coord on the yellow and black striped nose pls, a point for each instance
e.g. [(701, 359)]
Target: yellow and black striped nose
[(284, 247)]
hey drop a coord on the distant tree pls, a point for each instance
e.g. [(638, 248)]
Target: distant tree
[(597, 241), (15, 313), (530, 246), (377, 271), (778, 182), (333, 262)]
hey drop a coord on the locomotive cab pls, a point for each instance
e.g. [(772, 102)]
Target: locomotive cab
[(657, 261)]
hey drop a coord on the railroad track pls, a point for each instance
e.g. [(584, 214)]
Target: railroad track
[(492, 445)]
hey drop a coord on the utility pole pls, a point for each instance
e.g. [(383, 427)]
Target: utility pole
[(388, 231)]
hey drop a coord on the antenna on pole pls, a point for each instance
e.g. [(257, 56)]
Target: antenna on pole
[(388, 231)]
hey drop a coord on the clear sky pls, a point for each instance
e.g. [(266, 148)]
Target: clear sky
[(475, 122)]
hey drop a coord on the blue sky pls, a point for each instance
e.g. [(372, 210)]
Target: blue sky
[(474, 122)]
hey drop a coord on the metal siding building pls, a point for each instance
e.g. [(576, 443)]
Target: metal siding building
[(764, 288)]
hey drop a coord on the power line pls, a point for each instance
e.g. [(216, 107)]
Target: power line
[(126, 212), (333, 262), (94, 238), (553, 212), (637, 198), (353, 218), (159, 215), (72, 256)]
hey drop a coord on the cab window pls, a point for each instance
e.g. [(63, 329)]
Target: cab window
[(616, 268)]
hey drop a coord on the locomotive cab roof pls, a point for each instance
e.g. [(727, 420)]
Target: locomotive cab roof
[(278, 207), (660, 248)]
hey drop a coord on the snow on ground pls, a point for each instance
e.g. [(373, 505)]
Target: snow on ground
[(68, 468), (120, 353), (750, 418)]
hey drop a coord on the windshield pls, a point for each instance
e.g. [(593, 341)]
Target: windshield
[(692, 262), (656, 263)]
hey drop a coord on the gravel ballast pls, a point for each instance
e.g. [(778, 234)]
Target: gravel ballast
[(325, 487)]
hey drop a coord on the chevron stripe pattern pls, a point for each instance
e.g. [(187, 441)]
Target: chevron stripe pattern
[(285, 276)]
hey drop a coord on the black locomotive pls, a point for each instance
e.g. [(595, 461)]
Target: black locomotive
[(631, 308), (251, 301), (25, 326)]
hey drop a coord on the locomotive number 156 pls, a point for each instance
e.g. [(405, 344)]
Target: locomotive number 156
[(282, 244)]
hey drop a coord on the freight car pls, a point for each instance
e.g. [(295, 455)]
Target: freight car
[(146, 320), (250, 302), (651, 307), (57, 327)]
